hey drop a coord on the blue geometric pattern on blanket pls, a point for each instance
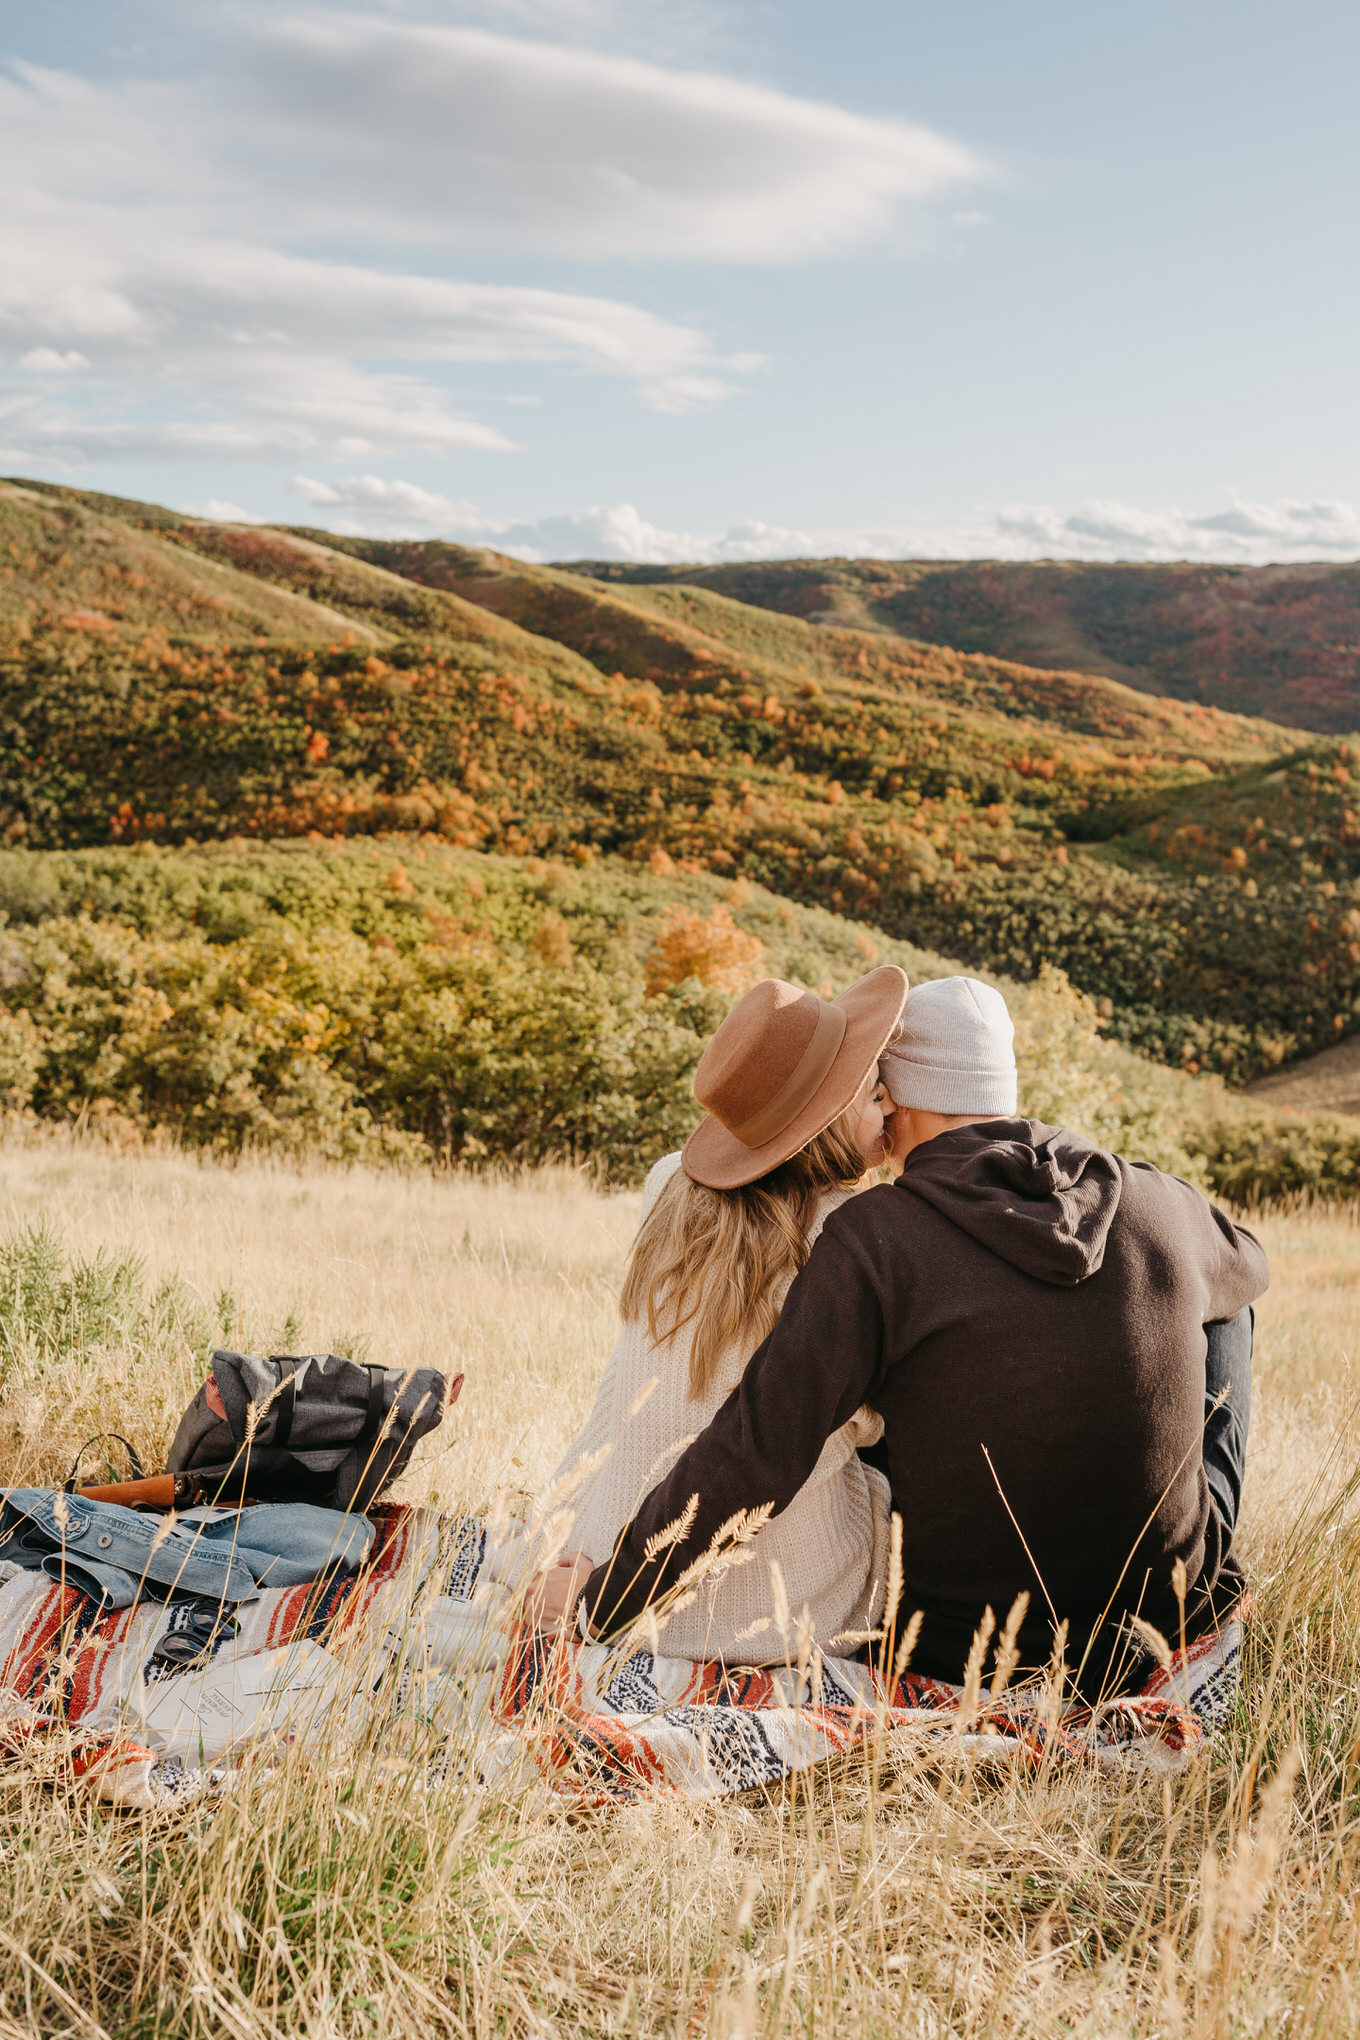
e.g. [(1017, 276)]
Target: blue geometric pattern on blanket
[(735, 1741), (1213, 1701), (833, 1693), (326, 1600), (467, 1557), (633, 1688)]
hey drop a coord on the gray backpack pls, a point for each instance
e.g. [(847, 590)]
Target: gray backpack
[(324, 1429)]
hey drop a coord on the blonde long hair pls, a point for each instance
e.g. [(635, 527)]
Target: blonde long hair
[(721, 1260)]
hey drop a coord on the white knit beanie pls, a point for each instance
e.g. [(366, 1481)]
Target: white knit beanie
[(954, 1050)]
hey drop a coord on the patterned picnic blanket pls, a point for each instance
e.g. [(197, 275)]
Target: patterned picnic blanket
[(413, 1637)]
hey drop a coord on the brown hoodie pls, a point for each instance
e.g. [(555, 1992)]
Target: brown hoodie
[(1027, 1313)]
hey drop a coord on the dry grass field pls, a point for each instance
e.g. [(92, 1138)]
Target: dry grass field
[(892, 1895)]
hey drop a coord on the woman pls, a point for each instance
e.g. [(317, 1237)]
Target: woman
[(795, 1121)]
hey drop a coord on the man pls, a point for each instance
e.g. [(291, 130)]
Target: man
[(1028, 1313)]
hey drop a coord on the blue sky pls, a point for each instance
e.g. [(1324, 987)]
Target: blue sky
[(704, 279)]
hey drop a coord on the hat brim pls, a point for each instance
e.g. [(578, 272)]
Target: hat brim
[(872, 1008)]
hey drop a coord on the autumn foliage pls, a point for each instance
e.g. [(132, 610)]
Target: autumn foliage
[(458, 1006), (709, 948), (1194, 872)]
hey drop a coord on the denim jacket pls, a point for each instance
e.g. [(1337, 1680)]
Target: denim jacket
[(116, 1556)]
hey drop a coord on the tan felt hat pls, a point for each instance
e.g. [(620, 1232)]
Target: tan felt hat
[(781, 1067)]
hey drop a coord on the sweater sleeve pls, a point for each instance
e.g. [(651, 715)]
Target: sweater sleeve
[(812, 1373), (598, 1429), (601, 1427)]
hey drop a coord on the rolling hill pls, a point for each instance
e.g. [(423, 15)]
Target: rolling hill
[(1281, 641), (165, 679)]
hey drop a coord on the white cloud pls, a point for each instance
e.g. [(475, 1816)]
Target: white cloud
[(372, 506), (619, 533), (124, 254), (222, 347), (1247, 534), (660, 28), (402, 499), (51, 361), (369, 506), (461, 134), (218, 512), (175, 240), (1244, 534)]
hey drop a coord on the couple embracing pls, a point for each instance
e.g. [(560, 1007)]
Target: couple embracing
[(1035, 1352)]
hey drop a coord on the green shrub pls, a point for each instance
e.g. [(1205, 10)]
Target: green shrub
[(355, 1003)]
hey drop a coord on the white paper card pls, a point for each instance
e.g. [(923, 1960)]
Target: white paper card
[(299, 1691)]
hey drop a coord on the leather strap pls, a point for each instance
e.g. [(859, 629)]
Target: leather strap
[(138, 1472)]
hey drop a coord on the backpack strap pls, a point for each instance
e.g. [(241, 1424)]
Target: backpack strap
[(287, 1392), (377, 1379)]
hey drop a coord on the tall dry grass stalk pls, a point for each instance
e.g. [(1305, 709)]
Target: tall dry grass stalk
[(900, 1891)]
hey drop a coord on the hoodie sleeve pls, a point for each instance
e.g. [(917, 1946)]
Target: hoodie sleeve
[(813, 1372), (1239, 1270), (1230, 1261)]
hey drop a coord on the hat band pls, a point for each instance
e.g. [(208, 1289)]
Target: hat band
[(801, 1087)]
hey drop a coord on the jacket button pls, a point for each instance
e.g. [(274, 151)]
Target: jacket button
[(103, 1539)]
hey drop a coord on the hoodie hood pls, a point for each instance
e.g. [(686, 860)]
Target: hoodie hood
[(1040, 1198)]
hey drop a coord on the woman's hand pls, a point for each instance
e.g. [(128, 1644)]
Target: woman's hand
[(552, 1595)]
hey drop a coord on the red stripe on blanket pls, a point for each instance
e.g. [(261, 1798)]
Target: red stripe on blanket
[(85, 1683), (599, 1749), (29, 1661), (315, 1612), (304, 1612), (97, 1759)]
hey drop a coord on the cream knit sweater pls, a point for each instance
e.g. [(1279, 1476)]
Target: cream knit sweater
[(830, 1546)]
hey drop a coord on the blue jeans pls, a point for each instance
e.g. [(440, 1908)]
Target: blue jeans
[(117, 1556), (1227, 1373)]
